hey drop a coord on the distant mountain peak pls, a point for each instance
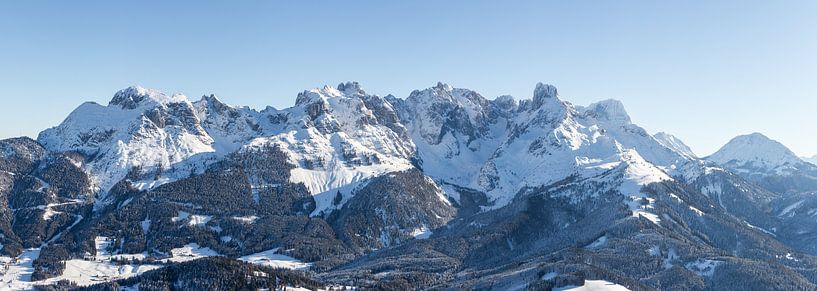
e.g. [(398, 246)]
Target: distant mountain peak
[(757, 150), (506, 102), (216, 103), (610, 110), (542, 93), (754, 136), (211, 98), (351, 88), (442, 86), (136, 96), (313, 96)]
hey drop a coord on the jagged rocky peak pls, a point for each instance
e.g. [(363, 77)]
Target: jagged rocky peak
[(348, 89), (313, 102), (229, 126), (303, 98), (160, 109), (215, 103), (755, 149), (609, 110), (351, 88), (542, 93), (506, 105), (347, 103), (506, 101), (443, 86), (440, 92), (135, 96), (130, 97), (445, 93), (442, 109), (320, 96)]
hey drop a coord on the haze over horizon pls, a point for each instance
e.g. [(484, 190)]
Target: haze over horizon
[(704, 72)]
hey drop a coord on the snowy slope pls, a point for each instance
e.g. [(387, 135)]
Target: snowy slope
[(674, 143), (594, 285), (812, 159), (337, 138), (139, 128), (756, 151)]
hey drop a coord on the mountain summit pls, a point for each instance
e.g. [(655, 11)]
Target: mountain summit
[(768, 163), (755, 150)]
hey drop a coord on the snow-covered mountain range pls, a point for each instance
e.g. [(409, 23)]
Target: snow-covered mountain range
[(349, 182), (339, 137)]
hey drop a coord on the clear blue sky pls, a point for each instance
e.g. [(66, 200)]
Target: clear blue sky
[(702, 70)]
